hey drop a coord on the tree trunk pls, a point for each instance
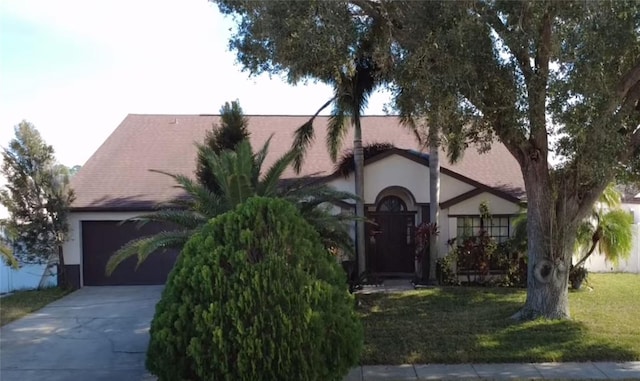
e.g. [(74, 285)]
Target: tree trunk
[(594, 243), (551, 235), (52, 260), (63, 280), (434, 204), (358, 158)]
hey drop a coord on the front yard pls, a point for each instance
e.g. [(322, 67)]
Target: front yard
[(18, 304), (472, 325)]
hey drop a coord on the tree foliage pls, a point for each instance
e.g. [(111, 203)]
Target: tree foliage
[(37, 196), (238, 175), (232, 130), (543, 77), (289, 37), (255, 296), (609, 229)]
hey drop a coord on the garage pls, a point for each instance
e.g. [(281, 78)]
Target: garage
[(100, 239)]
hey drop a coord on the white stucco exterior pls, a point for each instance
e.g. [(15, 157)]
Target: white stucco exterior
[(496, 204), (399, 171), (395, 173)]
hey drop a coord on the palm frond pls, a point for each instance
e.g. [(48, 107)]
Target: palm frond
[(260, 156), (239, 189), (364, 82), (336, 131), (316, 195), (7, 255), (617, 235), (584, 236), (269, 184), (186, 219), (145, 246), (346, 164), (611, 197), (455, 146), (235, 171), (408, 121), (333, 229), (202, 199), (303, 137), (242, 161)]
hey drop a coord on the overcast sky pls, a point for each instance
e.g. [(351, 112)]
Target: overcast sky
[(75, 69)]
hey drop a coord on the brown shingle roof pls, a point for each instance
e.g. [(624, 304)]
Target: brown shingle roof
[(117, 176)]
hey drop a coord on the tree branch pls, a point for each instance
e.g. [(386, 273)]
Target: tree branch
[(538, 87), (628, 81), (632, 97), (597, 235), (490, 16)]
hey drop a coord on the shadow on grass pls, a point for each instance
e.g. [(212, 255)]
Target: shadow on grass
[(461, 325)]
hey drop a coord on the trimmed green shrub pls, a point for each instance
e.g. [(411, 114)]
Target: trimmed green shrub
[(255, 296)]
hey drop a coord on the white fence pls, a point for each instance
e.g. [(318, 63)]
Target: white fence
[(597, 263), (25, 278)]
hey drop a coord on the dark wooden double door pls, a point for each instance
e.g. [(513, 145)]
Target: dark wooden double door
[(391, 242)]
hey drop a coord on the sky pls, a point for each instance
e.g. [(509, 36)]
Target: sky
[(75, 69)]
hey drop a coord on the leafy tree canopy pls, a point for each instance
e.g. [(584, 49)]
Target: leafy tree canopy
[(232, 130), (238, 175), (544, 77), (37, 196)]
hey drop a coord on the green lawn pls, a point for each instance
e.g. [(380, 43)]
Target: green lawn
[(461, 325), (17, 305)]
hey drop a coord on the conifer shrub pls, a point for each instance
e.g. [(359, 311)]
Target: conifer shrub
[(255, 296)]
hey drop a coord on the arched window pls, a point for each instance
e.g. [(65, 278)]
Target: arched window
[(392, 204)]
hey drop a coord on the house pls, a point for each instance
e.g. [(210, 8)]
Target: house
[(115, 184)]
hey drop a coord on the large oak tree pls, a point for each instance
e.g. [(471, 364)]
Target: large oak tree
[(546, 78)]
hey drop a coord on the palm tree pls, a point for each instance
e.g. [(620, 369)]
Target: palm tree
[(434, 201), (352, 88), (237, 174), (438, 116), (610, 229)]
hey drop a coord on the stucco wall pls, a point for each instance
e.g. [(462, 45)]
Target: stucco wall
[(496, 204), (470, 207), (396, 170)]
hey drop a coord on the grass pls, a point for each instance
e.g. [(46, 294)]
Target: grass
[(472, 325), (20, 303)]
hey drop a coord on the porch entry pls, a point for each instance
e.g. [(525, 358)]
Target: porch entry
[(391, 237)]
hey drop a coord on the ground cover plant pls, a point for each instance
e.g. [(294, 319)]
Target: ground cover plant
[(20, 303), (471, 324)]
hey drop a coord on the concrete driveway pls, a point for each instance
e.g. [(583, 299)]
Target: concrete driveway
[(95, 333)]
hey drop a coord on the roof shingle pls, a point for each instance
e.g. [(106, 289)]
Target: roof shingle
[(118, 176)]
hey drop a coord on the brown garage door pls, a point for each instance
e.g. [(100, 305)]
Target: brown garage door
[(100, 239)]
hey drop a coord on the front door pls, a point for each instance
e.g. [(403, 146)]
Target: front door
[(391, 237)]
